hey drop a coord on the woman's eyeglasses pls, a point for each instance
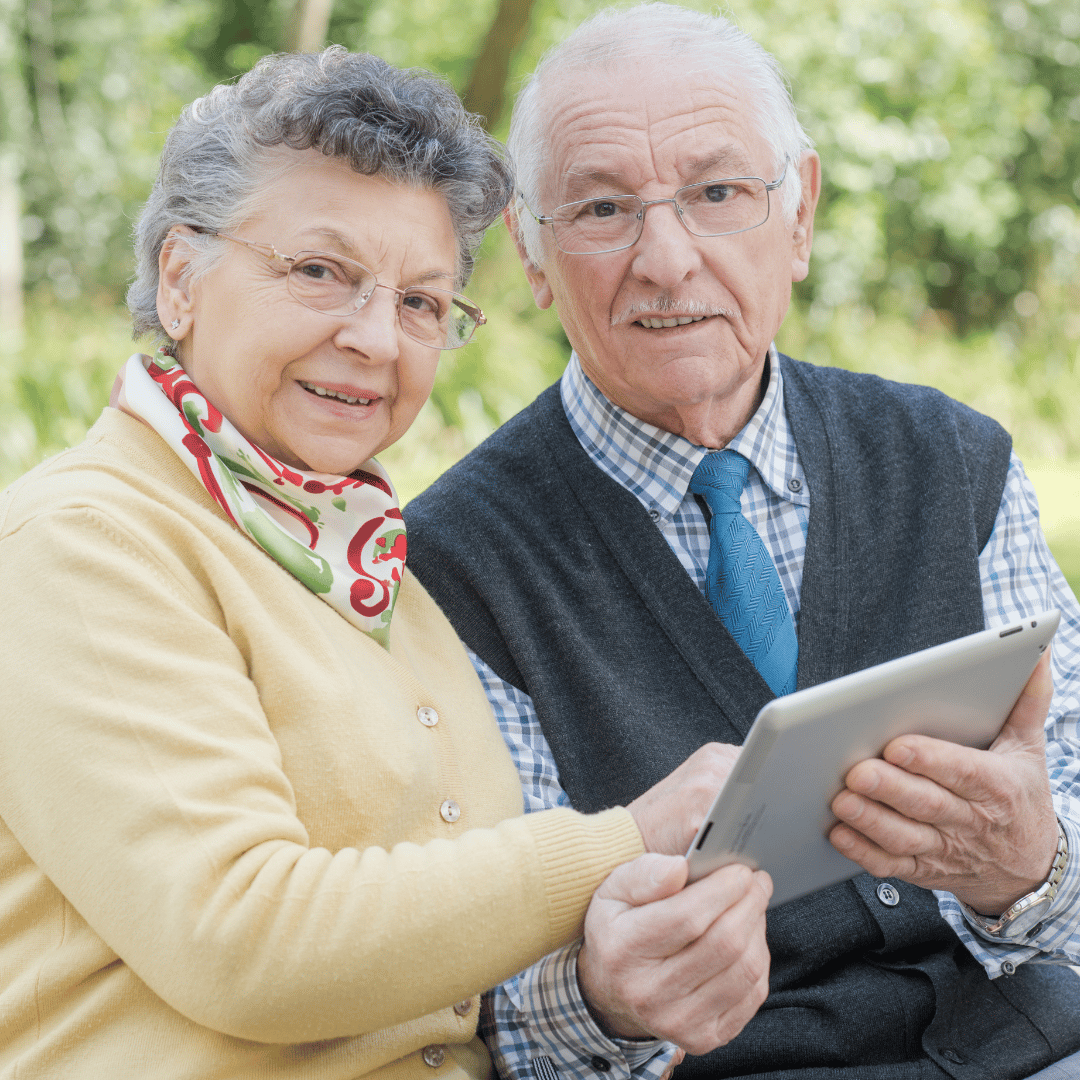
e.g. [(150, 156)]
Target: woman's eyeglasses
[(339, 286)]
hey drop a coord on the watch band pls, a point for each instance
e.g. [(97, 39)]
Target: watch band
[(1024, 918)]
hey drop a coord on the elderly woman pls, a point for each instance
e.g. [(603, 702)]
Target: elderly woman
[(258, 820)]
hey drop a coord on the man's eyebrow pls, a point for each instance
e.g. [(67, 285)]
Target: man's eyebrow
[(727, 161), (577, 181)]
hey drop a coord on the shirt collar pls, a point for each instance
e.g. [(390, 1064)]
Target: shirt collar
[(656, 465)]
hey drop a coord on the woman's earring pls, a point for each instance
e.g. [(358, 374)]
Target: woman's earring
[(175, 323)]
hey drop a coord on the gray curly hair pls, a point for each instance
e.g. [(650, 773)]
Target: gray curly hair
[(405, 125)]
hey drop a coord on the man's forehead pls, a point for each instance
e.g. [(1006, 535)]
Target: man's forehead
[(625, 124)]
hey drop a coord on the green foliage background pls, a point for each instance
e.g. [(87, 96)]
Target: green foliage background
[(948, 240)]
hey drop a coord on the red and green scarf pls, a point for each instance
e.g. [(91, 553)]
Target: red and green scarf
[(342, 536)]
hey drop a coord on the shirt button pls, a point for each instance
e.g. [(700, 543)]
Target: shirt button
[(450, 811), (462, 1007), (434, 1055), (600, 1064), (654, 514), (1008, 968), (427, 716), (794, 484), (953, 1056), (888, 894)]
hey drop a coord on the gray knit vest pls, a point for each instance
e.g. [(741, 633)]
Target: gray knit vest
[(557, 577)]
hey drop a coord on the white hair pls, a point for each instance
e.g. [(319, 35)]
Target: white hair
[(646, 32)]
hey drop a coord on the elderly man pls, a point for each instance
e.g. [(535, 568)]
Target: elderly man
[(588, 552)]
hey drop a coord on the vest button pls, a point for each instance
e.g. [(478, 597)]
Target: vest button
[(462, 1007), (953, 1056), (600, 1064), (427, 716), (450, 811), (888, 894), (433, 1056)]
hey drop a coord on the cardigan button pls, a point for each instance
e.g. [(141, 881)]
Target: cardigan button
[(427, 716), (953, 1056), (450, 811), (434, 1055), (462, 1008), (888, 894)]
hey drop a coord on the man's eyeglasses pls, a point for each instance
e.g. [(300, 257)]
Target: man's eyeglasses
[(338, 286), (614, 222)]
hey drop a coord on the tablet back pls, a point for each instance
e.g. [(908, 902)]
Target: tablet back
[(773, 811)]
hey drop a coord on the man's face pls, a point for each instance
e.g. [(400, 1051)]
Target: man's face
[(647, 128)]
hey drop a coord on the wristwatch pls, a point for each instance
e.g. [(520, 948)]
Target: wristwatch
[(1025, 917)]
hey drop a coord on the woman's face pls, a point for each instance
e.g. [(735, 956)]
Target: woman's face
[(261, 357)]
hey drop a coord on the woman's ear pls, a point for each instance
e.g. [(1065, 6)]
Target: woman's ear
[(175, 300)]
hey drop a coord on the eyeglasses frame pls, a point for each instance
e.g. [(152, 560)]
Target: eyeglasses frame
[(273, 254), (674, 200)]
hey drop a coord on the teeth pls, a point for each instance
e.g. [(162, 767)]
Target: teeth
[(323, 392), (681, 320)]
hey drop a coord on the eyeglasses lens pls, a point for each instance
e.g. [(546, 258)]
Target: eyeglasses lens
[(336, 286), (437, 318), (713, 208), (434, 317)]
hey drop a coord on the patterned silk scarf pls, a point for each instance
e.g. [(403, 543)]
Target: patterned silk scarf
[(342, 536)]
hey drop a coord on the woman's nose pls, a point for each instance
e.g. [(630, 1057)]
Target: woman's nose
[(374, 330)]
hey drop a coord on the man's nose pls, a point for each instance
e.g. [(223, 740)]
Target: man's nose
[(374, 330), (666, 252)]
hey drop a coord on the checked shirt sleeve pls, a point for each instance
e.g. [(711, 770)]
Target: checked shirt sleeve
[(1020, 578), (536, 1025)]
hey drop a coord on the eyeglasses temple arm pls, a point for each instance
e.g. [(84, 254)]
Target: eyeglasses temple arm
[(541, 220)]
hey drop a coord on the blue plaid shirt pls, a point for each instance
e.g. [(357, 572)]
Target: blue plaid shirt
[(536, 1024)]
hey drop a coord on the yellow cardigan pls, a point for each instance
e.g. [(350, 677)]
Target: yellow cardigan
[(221, 849)]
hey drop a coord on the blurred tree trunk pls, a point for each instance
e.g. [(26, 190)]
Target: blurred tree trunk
[(11, 255), (15, 123), (486, 92), (308, 25)]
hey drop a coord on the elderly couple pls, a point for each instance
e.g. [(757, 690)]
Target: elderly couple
[(262, 810)]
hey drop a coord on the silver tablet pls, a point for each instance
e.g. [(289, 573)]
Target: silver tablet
[(773, 810)]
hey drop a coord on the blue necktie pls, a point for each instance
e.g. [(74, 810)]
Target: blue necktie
[(742, 583)]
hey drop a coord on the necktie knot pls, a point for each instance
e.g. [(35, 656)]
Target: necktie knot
[(720, 479)]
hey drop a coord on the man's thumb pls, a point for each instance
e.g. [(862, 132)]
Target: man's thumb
[(646, 879)]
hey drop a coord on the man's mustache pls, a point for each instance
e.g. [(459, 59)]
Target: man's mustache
[(664, 306)]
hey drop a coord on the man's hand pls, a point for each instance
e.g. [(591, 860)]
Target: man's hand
[(685, 964), (976, 823), (670, 812)]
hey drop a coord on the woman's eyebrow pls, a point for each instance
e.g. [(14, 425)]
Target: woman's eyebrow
[(341, 243)]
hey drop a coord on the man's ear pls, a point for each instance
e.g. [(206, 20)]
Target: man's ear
[(803, 232), (538, 282), (175, 301)]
